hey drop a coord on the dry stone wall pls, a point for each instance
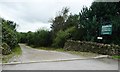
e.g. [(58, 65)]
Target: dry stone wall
[(84, 46)]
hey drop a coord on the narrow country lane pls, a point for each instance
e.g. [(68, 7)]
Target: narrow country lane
[(30, 54)]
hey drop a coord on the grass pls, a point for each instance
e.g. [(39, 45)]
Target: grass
[(116, 57), (50, 49), (15, 52)]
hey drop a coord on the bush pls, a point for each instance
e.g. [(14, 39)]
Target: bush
[(60, 39), (5, 49), (62, 36), (42, 38), (9, 35)]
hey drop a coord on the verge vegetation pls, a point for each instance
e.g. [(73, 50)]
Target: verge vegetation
[(9, 46), (15, 52), (116, 57)]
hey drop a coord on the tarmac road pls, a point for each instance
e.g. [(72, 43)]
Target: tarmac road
[(92, 64), (30, 54)]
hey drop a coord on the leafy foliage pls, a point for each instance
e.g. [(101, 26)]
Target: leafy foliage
[(9, 35), (62, 36), (88, 23), (5, 49), (39, 38), (42, 38), (85, 26)]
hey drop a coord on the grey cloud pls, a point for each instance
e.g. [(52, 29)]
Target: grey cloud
[(31, 12)]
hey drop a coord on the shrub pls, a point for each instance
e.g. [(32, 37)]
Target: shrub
[(9, 35), (5, 49), (42, 38), (62, 36)]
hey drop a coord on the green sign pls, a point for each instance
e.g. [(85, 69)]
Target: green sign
[(106, 29)]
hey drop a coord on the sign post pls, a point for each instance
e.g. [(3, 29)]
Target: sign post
[(105, 32), (106, 29)]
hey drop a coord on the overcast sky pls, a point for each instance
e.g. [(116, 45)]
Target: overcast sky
[(33, 14)]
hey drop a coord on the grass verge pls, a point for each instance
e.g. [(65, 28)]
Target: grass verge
[(50, 49), (116, 57), (15, 52)]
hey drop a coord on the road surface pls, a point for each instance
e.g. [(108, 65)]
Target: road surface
[(30, 54), (93, 64)]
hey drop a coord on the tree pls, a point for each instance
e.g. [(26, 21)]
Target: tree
[(108, 12), (58, 22), (22, 37), (42, 38)]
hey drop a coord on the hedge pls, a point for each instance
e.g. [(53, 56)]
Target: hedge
[(84, 46)]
